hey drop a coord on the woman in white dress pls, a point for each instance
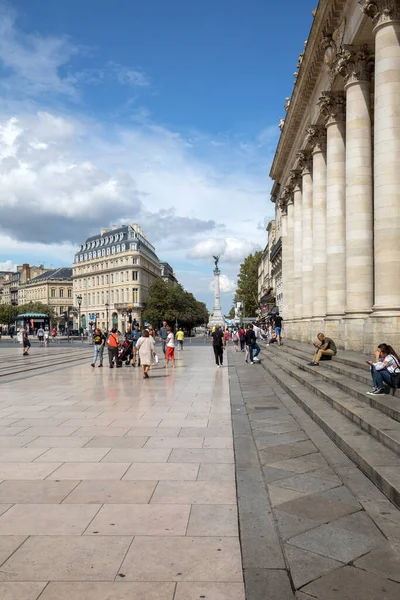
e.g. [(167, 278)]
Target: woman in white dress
[(147, 348)]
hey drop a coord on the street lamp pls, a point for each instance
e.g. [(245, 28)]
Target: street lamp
[(124, 314), (107, 307), (79, 301)]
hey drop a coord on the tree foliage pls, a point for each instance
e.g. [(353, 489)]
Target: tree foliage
[(9, 313), (172, 303), (247, 285)]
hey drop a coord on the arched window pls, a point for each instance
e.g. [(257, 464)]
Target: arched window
[(85, 255), (103, 251), (118, 248), (123, 247), (113, 250), (108, 251)]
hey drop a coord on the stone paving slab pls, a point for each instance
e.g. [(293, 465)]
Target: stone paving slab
[(112, 487)]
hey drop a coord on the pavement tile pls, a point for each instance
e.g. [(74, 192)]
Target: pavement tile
[(203, 455), (140, 519), (268, 584), (116, 442), (174, 442), (162, 472), (216, 472), (49, 519), (52, 431), (211, 591), (137, 455), (314, 507), (270, 441), (291, 525), (306, 484), (222, 442), (111, 492), (93, 431), (8, 545), (341, 494), (16, 442), (306, 566), (195, 492), (302, 464), (119, 590), (81, 471), (274, 475), (183, 559), (58, 442), (213, 520), (280, 495), (153, 431), (73, 455), (284, 451), (205, 432), (385, 561), (349, 583), (35, 492), (26, 470), (66, 558), (21, 591)]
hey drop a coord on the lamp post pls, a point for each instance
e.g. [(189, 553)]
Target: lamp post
[(79, 301), (107, 307), (124, 313)]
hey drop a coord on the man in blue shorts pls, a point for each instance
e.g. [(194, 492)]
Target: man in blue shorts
[(278, 328)]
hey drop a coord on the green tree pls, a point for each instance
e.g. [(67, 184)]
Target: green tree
[(173, 303), (37, 307), (247, 285), (8, 314), (231, 313)]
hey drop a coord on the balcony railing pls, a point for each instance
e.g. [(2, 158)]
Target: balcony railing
[(275, 249)]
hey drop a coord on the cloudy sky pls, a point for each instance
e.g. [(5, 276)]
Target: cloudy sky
[(161, 113)]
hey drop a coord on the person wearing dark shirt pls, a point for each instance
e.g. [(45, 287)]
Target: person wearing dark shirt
[(163, 335), (136, 335), (326, 348), (99, 339), (218, 343), (251, 343), (278, 327)]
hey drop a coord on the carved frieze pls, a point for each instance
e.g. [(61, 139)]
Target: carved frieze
[(381, 11), (354, 63), (316, 137), (332, 106)]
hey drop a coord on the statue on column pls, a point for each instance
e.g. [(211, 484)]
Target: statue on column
[(216, 261)]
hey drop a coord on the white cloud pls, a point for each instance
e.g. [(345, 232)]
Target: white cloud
[(227, 286), (8, 265), (232, 250)]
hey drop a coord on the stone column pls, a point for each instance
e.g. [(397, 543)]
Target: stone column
[(386, 20), (290, 287), (285, 282), (355, 65), (317, 139), (332, 106), (297, 249), (305, 164)]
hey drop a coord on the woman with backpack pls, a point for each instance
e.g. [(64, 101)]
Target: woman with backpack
[(385, 370), (235, 340), (242, 338)]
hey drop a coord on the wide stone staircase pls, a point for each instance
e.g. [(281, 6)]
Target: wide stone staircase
[(366, 428)]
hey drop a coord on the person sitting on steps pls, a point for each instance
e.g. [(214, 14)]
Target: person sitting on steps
[(326, 348), (387, 363)]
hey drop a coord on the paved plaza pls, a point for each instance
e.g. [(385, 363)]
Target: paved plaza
[(116, 488)]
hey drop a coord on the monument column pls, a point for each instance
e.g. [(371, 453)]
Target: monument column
[(332, 106), (304, 159), (297, 246), (217, 317), (317, 139), (386, 20), (355, 65)]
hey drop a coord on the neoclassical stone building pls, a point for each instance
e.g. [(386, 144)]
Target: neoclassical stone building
[(337, 178)]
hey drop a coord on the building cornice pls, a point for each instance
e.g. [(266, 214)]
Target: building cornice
[(327, 19)]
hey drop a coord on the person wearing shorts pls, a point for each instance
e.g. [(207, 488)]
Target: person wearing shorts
[(25, 343), (40, 334), (170, 350), (180, 336), (278, 328)]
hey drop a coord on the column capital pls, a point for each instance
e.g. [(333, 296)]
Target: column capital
[(304, 161), (355, 63), (283, 205), (381, 11), (287, 194), (295, 179), (316, 137), (332, 106)]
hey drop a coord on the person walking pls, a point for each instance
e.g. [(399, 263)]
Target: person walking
[(146, 348), (235, 340), (99, 340), (163, 336), (218, 344), (278, 320), (170, 351), (180, 336), (136, 335), (113, 343), (46, 337), (242, 338), (40, 334), (251, 343), (25, 343)]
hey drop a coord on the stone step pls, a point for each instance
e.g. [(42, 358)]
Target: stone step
[(344, 378), (376, 460), (383, 428), (347, 357)]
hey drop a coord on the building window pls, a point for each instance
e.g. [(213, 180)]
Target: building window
[(123, 247), (98, 298), (116, 296), (126, 275), (107, 279), (53, 293), (118, 248), (102, 280), (112, 277), (103, 252), (134, 261), (122, 276), (90, 255), (102, 297), (98, 280), (107, 251), (69, 293), (61, 292), (61, 310), (113, 250), (85, 256), (116, 278), (122, 296), (112, 296), (135, 295), (133, 246), (134, 275)]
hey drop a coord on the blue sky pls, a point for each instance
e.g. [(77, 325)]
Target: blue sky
[(164, 113)]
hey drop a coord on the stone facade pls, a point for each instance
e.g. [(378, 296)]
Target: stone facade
[(14, 283), (337, 166), (111, 271), (54, 287)]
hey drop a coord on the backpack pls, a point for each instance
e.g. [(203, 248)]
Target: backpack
[(235, 337)]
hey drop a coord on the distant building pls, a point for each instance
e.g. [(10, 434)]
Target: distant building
[(13, 286), (167, 273), (112, 271), (54, 287)]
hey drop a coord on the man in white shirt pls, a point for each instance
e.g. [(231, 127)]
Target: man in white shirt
[(40, 334), (257, 331)]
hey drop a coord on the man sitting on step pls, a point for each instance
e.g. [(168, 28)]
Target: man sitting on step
[(326, 348)]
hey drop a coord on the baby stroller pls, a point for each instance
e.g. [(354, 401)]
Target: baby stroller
[(125, 353)]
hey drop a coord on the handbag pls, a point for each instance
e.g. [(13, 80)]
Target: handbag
[(395, 377)]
